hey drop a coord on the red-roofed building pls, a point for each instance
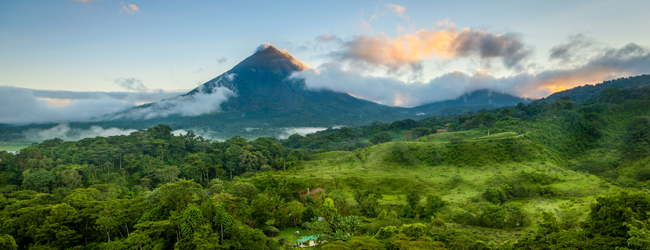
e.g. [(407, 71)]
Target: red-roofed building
[(314, 193)]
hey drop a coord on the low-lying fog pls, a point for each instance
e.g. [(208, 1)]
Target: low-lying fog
[(67, 133)]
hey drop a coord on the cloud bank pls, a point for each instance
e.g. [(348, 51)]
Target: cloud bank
[(202, 102), (630, 59), (187, 105), (20, 105)]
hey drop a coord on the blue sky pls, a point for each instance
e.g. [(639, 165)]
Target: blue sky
[(174, 46)]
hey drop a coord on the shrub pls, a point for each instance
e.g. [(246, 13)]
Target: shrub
[(386, 233), (637, 139), (381, 138), (493, 216), (244, 190), (271, 231), (417, 230), (643, 174)]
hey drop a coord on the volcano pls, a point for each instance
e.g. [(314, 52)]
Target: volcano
[(263, 82)]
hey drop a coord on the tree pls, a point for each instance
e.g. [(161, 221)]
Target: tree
[(308, 214), (433, 205), (231, 158), (487, 119), (262, 210), (70, 177), (167, 174), (245, 237), (413, 199), (7, 242), (505, 112), (179, 195), (222, 220), (637, 139), (191, 221), (356, 242), (452, 127), (381, 138), (608, 214), (296, 209), (148, 234), (613, 94), (58, 226), (40, 181), (106, 217), (244, 190), (493, 216)]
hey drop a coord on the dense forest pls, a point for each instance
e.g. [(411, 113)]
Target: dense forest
[(552, 174)]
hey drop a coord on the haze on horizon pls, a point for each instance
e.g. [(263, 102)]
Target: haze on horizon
[(75, 59)]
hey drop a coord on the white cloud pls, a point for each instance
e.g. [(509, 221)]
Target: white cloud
[(63, 131), (202, 102)]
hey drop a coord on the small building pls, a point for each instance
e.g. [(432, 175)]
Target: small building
[(314, 193), (308, 241)]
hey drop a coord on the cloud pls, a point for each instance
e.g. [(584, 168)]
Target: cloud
[(129, 8), (133, 84), (397, 9), (263, 47), (205, 100), (630, 59), (286, 132), (568, 52), (486, 45), (409, 50), (22, 106), (65, 132), (327, 38), (134, 8)]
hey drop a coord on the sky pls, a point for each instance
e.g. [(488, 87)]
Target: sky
[(72, 59)]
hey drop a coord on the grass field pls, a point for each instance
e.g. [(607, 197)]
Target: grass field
[(344, 172), (289, 234)]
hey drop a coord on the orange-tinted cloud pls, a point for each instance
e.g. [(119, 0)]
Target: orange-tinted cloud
[(134, 8), (410, 49), (129, 8)]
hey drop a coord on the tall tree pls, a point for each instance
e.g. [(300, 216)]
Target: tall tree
[(637, 138), (613, 94), (487, 119), (222, 220)]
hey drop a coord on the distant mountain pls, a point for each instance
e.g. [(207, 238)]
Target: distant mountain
[(483, 98), (585, 92)]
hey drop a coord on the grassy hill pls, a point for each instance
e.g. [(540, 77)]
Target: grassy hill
[(460, 183)]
